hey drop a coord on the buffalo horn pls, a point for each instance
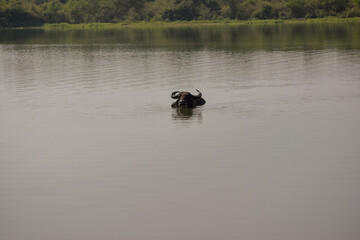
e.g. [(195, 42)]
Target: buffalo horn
[(197, 96), (174, 96)]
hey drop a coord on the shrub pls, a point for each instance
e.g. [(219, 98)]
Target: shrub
[(17, 14), (297, 8), (54, 12)]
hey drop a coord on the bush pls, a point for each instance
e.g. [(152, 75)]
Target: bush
[(183, 10), (297, 8), (54, 12), (263, 12), (16, 14)]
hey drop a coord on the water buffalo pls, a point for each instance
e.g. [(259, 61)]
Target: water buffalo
[(187, 100)]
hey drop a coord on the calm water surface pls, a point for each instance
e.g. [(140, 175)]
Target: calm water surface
[(90, 148)]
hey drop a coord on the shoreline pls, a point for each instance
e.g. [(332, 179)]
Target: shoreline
[(194, 23)]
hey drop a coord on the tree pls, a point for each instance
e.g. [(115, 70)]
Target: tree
[(16, 13), (297, 8), (53, 12)]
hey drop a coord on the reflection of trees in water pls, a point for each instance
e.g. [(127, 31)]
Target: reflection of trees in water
[(249, 37), (187, 114)]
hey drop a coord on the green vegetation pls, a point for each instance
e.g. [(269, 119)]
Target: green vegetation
[(23, 13), (195, 23)]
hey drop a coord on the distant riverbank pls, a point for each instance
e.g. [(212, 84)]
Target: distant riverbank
[(152, 24)]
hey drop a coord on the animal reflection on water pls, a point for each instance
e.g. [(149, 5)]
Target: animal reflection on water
[(187, 114)]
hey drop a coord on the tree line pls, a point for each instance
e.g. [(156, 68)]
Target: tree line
[(19, 13)]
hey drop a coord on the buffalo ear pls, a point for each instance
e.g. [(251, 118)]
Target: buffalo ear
[(200, 102)]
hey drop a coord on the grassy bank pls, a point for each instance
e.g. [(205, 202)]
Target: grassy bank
[(156, 24)]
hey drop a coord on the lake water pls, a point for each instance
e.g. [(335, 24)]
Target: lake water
[(91, 149)]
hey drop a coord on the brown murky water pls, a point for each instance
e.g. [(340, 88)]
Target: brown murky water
[(90, 148)]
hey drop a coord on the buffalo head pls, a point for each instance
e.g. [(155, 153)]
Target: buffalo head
[(187, 100)]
